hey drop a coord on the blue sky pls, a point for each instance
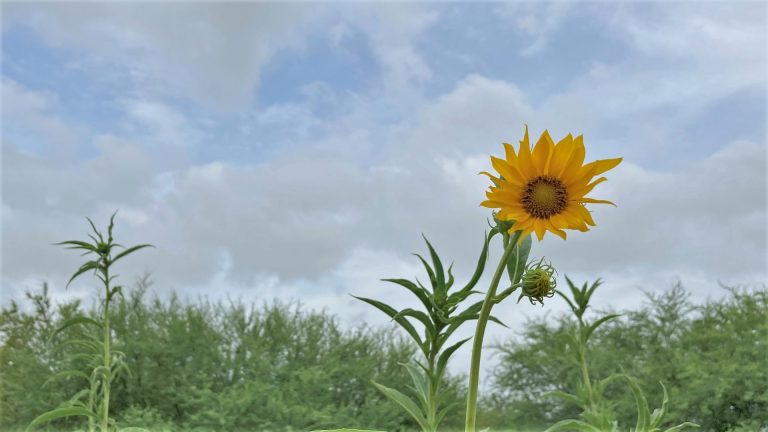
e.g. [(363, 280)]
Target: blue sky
[(298, 150)]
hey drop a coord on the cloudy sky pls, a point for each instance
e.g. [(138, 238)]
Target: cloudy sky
[(298, 150)]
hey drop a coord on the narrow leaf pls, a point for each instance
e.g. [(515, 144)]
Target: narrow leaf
[(405, 402), (59, 413), (129, 251), (573, 425), (80, 319), (392, 312)]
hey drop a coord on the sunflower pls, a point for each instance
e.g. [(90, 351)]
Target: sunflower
[(545, 189)]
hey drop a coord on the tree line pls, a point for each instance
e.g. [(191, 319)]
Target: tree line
[(234, 366)]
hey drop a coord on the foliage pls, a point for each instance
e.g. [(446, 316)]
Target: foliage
[(711, 358), (214, 366)]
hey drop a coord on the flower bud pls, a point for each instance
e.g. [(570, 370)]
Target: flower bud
[(538, 282)]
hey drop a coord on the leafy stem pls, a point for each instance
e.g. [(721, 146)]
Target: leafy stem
[(482, 321)]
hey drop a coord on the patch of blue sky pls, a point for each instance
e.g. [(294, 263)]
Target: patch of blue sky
[(293, 75), (473, 39), (739, 116), (80, 99)]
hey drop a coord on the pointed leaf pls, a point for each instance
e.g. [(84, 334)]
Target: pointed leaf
[(432, 278), (59, 413), (442, 361), (439, 273), (566, 397), (682, 426), (643, 413), (480, 264), (392, 312), (65, 374), (80, 319), (518, 258), (418, 291), (590, 329), (570, 303), (405, 402), (577, 425), (130, 250)]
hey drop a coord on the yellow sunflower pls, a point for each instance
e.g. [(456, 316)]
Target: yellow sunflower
[(545, 189)]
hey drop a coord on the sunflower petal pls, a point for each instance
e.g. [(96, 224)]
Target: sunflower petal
[(560, 155), (594, 201), (525, 159), (578, 192), (542, 152), (573, 165), (600, 166), (507, 171)]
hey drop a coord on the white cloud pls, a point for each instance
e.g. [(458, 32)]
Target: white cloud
[(211, 53), (536, 21)]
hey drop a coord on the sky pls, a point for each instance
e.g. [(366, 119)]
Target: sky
[(299, 150)]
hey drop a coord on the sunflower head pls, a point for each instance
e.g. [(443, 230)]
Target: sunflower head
[(545, 188)]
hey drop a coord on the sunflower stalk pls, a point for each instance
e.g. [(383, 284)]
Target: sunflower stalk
[(93, 401)]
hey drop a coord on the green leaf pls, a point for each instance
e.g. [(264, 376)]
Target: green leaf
[(65, 374), (658, 414), (480, 264), (133, 429), (682, 426), (77, 244), (442, 361), (566, 397), (570, 303), (418, 291), (90, 265), (59, 413), (346, 430), (643, 413), (439, 273), (432, 278), (129, 251), (407, 403), (573, 425), (422, 317), (420, 384), (392, 312), (590, 329), (518, 258), (80, 319)]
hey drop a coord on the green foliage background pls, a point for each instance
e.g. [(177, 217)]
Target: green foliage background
[(238, 367)]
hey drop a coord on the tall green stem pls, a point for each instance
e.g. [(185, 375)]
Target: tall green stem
[(477, 343), (107, 356)]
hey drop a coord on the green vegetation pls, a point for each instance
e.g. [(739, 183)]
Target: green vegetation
[(712, 358), (239, 367)]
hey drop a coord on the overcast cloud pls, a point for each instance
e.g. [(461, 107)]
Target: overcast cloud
[(298, 151)]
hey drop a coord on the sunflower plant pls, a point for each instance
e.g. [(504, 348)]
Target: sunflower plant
[(534, 190), (597, 415), (106, 363)]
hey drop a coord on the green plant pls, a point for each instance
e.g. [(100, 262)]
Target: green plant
[(439, 321), (597, 415), (93, 401)]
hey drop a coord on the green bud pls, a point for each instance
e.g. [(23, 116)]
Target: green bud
[(538, 282)]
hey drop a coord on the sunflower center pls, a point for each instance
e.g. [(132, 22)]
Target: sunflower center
[(544, 197)]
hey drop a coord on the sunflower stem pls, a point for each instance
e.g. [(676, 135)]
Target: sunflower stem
[(477, 343)]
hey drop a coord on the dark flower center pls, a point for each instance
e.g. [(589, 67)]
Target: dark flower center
[(544, 197)]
